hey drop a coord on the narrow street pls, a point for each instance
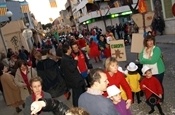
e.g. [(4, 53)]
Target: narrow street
[(141, 109)]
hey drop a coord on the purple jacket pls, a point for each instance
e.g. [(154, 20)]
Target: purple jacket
[(121, 108)]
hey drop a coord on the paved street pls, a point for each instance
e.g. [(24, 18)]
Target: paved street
[(141, 109)]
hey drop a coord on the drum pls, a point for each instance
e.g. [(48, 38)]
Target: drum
[(152, 100)]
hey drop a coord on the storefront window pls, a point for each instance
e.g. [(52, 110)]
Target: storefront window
[(168, 8)]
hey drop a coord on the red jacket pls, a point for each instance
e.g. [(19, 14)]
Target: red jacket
[(82, 67), (118, 79), (153, 84)]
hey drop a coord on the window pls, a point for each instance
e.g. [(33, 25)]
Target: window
[(167, 6)]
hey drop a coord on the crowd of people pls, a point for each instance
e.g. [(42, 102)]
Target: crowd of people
[(34, 78)]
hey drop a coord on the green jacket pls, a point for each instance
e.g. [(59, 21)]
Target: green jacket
[(155, 62)]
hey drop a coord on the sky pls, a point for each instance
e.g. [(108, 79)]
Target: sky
[(42, 10)]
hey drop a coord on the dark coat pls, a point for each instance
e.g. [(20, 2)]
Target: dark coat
[(71, 74), (57, 107), (53, 81)]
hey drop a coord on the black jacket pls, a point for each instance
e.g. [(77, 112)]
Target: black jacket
[(70, 72), (50, 73), (57, 107)]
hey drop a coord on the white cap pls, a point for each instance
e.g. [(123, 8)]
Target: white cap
[(112, 91), (145, 69), (132, 66)]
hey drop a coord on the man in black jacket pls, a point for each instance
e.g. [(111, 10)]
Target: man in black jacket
[(71, 74)]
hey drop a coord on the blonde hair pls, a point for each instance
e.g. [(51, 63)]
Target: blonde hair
[(109, 61), (77, 111)]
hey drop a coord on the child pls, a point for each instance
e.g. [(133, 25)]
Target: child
[(123, 93), (107, 51), (152, 89), (114, 95), (133, 79), (76, 111), (94, 51)]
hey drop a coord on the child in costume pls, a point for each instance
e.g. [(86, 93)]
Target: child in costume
[(134, 80), (120, 104), (152, 89)]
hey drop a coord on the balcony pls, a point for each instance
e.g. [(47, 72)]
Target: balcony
[(104, 12)]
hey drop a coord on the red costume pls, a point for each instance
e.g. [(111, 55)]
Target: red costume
[(118, 79), (94, 52), (107, 52), (82, 43), (153, 84), (82, 67)]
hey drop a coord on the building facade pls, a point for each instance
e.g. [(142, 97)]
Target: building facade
[(109, 12), (163, 8), (18, 17)]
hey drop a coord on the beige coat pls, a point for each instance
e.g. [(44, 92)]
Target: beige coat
[(20, 82), (11, 90)]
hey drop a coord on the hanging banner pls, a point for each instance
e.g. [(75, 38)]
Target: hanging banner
[(118, 50), (53, 3), (24, 7), (91, 1), (116, 4), (3, 9), (51, 20), (142, 6)]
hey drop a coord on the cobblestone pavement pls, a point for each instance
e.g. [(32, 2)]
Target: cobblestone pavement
[(137, 109)]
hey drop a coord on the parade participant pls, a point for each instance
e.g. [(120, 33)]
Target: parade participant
[(107, 51), (151, 56), (117, 78), (152, 89), (92, 100), (120, 104), (94, 51), (133, 79), (82, 42), (37, 93)]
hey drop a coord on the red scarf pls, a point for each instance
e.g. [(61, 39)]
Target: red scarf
[(25, 78), (34, 97)]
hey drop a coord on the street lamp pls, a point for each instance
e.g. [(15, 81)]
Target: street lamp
[(8, 14), (27, 33)]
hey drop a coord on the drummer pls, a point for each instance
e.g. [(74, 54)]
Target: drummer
[(152, 89)]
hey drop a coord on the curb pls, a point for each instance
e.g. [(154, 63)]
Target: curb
[(166, 43)]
